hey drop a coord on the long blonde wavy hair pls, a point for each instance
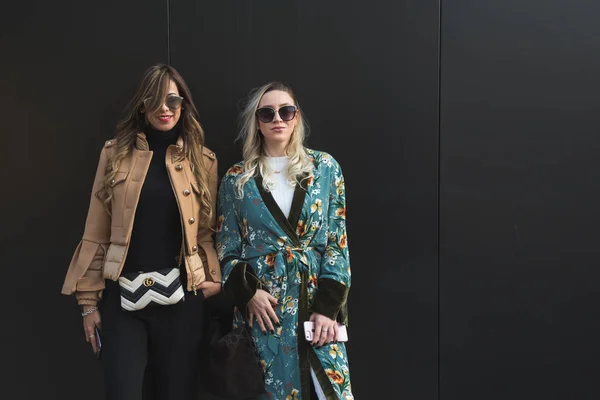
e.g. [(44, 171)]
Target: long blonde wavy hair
[(155, 84), (253, 141)]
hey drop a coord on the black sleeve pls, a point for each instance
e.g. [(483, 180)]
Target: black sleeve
[(330, 299), (241, 285)]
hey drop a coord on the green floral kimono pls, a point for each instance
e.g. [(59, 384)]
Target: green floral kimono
[(302, 260)]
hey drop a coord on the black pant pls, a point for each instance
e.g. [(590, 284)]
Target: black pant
[(164, 339)]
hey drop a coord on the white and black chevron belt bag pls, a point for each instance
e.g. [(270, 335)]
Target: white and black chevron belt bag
[(147, 289)]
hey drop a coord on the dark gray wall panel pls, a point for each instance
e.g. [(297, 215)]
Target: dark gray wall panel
[(519, 199)]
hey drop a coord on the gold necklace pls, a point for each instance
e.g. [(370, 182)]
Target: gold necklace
[(268, 155)]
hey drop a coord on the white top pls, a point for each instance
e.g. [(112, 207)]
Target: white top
[(282, 191)]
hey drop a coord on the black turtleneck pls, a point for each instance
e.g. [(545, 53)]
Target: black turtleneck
[(156, 236)]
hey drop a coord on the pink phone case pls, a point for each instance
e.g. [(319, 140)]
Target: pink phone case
[(309, 330)]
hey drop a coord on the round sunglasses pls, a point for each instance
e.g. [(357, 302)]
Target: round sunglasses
[(266, 114), (172, 101)]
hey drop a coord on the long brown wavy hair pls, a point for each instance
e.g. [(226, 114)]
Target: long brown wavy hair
[(155, 84)]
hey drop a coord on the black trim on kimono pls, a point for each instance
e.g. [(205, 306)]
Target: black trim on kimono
[(306, 354), (287, 224), (242, 285), (330, 300)]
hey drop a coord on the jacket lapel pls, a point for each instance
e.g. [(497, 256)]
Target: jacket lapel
[(287, 224), (298, 201)]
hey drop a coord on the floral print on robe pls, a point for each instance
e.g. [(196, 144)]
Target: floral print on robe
[(291, 257)]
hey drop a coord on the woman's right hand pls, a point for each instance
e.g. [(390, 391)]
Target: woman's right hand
[(90, 322), (261, 307)]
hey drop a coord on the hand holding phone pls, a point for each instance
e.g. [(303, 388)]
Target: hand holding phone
[(309, 330), (98, 344)]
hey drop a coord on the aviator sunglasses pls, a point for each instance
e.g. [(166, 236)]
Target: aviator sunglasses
[(266, 114), (173, 101)]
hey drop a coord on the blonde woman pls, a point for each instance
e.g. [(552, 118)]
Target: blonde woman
[(282, 244), (147, 260)]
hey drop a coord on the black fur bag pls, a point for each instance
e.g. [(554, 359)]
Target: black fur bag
[(234, 370)]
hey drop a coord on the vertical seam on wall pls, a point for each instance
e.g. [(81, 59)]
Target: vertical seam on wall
[(439, 169), (169, 32)]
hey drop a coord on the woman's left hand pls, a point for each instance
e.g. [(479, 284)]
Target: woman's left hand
[(209, 288), (325, 329)]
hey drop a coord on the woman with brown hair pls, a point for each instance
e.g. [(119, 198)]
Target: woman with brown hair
[(147, 260)]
